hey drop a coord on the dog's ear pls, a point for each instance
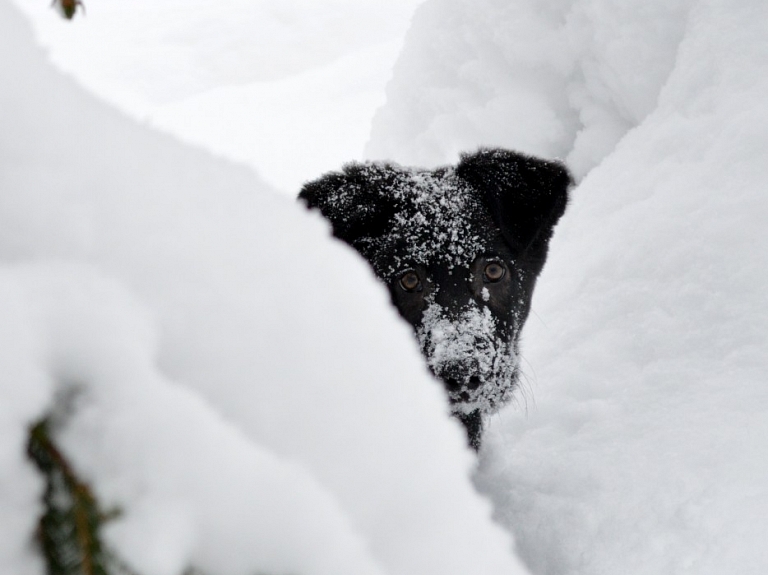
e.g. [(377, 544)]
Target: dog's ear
[(525, 195), (355, 201)]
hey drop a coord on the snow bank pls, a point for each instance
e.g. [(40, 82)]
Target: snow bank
[(645, 448), (149, 52), (243, 391), (559, 79), (192, 488), (291, 129), (255, 81)]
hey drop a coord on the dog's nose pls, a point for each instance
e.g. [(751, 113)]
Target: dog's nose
[(456, 377), (452, 384), (452, 375)]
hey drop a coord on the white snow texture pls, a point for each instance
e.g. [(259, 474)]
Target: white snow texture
[(245, 395), (646, 450), (287, 87), (243, 389)]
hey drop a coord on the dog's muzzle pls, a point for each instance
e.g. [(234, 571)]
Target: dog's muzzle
[(475, 359), (458, 376)]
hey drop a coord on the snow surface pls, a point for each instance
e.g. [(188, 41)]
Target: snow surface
[(645, 445), (256, 81), (565, 79), (242, 388)]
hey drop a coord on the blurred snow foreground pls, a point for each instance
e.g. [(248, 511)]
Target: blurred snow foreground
[(244, 393), (647, 448), (245, 396)]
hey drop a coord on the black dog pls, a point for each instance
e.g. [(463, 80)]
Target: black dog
[(460, 249)]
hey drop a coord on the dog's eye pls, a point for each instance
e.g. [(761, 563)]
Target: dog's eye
[(494, 271), (410, 281)]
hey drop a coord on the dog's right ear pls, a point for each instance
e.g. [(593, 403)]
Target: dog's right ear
[(355, 201)]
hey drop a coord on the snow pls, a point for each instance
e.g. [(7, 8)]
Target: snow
[(254, 81), (561, 79), (160, 453), (219, 343), (20, 484), (321, 115), (241, 387), (643, 448)]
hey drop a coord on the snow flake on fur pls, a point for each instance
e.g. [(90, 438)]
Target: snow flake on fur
[(428, 216)]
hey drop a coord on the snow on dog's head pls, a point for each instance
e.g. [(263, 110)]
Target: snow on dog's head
[(460, 248)]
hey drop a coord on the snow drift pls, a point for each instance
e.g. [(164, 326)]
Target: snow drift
[(221, 345), (255, 81), (645, 450), (242, 390)]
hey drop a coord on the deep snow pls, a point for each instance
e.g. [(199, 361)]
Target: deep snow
[(255, 81), (644, 446), (244, 392)]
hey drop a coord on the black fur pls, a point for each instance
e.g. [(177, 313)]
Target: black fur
[(460, 249)]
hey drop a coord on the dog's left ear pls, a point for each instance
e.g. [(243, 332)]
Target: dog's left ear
[(525, 195)]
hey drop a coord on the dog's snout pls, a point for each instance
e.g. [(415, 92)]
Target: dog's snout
[(451, 370), (453, 293), (452, 383), (450, 311), (459, 376)]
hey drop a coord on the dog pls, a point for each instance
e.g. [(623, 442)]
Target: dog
[(460, 249)]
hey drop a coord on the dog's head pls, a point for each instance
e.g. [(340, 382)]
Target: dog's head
[(460, 249)]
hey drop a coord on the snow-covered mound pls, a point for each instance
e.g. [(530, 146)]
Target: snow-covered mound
[(644, 448), (565, 79), (242, 389), (255, 81)]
